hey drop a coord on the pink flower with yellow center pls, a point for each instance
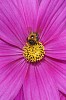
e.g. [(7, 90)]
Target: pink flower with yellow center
[(32, 50)]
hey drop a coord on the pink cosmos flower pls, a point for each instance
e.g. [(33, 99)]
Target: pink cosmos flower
[(19, 78)]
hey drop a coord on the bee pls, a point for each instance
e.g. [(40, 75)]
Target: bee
[(33, 38)]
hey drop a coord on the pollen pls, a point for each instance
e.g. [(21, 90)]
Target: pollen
[(33, 53)]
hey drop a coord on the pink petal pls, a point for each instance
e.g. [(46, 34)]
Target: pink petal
[(9, 53), (51, 19), (7, 49), (57, 47), (41, 12), (15, 19), (30, 9), (39, 1), (57, 69), (39, 85), (10, 26), (11, 79), (20, 95), (62, 96)]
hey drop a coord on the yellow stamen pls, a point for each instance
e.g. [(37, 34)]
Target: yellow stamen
[(33, 53)]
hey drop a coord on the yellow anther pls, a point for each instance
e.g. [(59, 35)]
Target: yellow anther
[(33, 53)]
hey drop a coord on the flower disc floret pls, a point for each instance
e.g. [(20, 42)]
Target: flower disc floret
[(33, 53)]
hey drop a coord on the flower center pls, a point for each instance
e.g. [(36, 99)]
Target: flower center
[(33, 51)]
